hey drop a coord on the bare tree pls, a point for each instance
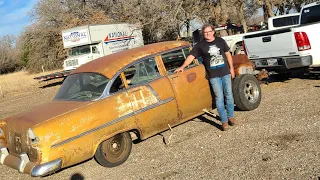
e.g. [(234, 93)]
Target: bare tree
[(41, 43), (8, 54)]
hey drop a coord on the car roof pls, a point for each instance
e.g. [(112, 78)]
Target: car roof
[(109, 65)]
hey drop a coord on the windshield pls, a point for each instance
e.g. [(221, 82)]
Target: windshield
[(310, 14), (82, 87), (75, 51)]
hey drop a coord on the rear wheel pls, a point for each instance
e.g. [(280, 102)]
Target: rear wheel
[(246, 92), (114, 151)]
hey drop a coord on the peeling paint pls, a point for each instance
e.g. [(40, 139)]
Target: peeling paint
[(123, 107)]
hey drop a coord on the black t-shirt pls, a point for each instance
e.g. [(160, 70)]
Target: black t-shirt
[(214, 57)]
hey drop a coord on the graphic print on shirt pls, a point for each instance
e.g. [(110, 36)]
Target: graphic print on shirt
[(216, 58)]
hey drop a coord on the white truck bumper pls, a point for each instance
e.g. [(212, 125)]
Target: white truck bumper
[(283, 63)]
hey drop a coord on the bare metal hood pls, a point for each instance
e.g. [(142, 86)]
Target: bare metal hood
[(43, 113)]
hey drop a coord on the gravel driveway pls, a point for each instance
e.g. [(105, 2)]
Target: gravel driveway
[(279, 140)]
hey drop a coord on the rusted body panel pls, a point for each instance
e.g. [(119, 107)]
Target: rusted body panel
[(78, 134), (242, 65), (159, 110), (192, 91), (72, 130), (111, 64)]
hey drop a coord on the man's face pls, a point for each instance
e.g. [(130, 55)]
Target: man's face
[(208, 33)]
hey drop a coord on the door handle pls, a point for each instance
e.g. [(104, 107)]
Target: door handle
[(266, 39)]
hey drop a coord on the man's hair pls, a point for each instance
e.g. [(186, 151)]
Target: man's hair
[(207, 25)]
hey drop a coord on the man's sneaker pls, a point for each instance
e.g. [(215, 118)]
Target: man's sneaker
[(232, 121), (225, 126)]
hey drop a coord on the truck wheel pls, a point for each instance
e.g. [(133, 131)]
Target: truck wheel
[(114, 151), (246, 92), (239, 50)]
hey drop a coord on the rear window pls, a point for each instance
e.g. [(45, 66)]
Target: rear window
[(286, 21), (310, 15)]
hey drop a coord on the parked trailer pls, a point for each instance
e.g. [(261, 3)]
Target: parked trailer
[(62, 74)]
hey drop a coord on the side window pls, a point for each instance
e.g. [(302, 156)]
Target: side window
[(186, 52), (142, 72), (117, 85), (175, 59), (287, 21), (139, 73)]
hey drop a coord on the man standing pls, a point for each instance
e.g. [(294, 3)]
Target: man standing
[(219, 66)]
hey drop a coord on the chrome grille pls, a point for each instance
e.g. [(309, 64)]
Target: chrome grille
[(20, 146), (18, 143), (72, 62)]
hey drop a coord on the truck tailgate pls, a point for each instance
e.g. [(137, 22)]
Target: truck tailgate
[(270, 44)]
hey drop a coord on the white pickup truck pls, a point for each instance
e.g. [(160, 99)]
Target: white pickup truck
[(286, 49), (235, 41), (276, 22)]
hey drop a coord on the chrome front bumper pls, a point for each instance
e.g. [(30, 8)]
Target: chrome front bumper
[(23, 164)]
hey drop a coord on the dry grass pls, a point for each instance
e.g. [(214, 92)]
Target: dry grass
[(19, 82)]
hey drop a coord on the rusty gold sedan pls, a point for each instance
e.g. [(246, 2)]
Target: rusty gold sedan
[(103, 102)]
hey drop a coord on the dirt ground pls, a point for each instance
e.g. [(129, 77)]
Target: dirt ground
[(279, 140)]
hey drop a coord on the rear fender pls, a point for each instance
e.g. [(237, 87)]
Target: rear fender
[(242, 65)]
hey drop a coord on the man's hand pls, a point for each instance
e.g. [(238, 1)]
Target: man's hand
[(232, 72), (180, 69), (185, 64)]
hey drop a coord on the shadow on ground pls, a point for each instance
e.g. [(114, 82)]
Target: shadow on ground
[(295, 74), (215, 123), (77, 176)]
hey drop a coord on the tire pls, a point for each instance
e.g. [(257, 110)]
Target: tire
[(246, 92), (239, 50), (114, 151)]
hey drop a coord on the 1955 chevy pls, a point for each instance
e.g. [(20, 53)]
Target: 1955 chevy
[(103, 101)]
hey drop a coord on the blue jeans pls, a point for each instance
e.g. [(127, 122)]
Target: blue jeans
[(222, 88)]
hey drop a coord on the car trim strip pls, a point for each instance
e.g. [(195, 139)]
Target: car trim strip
[(113, 122)]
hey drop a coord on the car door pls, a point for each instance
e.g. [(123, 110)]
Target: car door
[(152, 97), (191, 88)]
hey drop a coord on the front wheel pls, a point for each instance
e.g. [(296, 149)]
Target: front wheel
[(246, 92), (114, 151)]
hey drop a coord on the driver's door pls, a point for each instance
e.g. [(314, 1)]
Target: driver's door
[(191, 88)]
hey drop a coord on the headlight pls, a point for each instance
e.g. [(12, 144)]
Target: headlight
[(32, 137)]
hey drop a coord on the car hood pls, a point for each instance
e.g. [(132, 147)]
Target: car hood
[(42, 113)]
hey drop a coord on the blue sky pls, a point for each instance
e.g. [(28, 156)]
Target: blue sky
[(14, 15)]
